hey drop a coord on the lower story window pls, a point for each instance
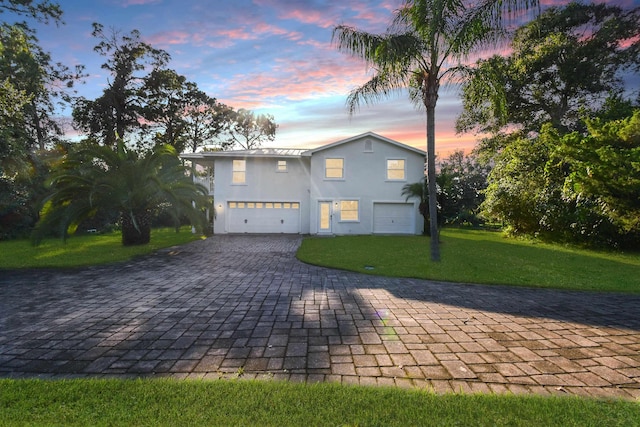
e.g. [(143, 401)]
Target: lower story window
[(349, 210)]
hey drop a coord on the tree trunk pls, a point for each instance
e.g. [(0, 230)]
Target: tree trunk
[(136, 228), (431, 179)]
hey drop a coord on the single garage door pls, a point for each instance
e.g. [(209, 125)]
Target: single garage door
[(394, 218), (263, 217)]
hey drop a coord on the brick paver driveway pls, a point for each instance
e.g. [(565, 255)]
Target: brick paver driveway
[(243, 305)]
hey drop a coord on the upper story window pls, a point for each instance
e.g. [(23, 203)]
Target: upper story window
[(396, 169), (349, 210), (281, 166), (334, 168), (239, 173)]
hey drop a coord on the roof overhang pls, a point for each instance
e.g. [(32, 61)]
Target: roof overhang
[(284, 153), (311, 152)]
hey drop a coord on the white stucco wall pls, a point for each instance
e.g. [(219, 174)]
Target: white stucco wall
[(263, 184), (365, 180)]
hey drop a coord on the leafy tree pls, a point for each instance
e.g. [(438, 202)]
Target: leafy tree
[(154, 104), (95, 178), (248, 130), (582, 188), (566, 67), (43, 11), (13, 151), (564, 63), (30, 70), (205, 120), (165, 92), (460, 184), (31, 85), (604, 175), (421, 50), (184, 116), (118, 111), (517, 194)]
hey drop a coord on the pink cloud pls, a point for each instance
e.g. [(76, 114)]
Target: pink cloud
[(264, 28), (127, 3), (315, 44), (298, 79), (227, 37), (313, 17), (236, 34), (624, 44), (365, 13), (169, 38)]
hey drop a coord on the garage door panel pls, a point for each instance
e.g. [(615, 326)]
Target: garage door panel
[(393, 218), (263, 217)]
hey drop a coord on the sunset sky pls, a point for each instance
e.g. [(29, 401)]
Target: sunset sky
[(270, 56)]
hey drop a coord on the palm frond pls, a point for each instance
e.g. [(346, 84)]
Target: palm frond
[(94, 178)]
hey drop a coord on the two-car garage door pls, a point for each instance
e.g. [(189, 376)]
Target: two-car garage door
[(263, 217), (394, 218)]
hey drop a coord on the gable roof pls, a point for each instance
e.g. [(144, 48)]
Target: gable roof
[(364, 135), (293, 152)]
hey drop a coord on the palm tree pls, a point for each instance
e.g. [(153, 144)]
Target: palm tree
[(418, 190), (96, 178), (423, 48)]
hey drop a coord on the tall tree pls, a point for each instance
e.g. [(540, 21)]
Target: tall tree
[(538, 103), (29, 69), (118, 111), (249, 131), (421, 50), (205, 120), (43, 11), (31, 87), (165, 99), (28, 78), (96, 178), (564, 63), (180, 114)]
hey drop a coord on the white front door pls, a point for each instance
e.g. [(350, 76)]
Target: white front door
[(324, 216)]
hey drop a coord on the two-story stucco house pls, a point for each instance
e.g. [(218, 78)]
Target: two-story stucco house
[(351, 186)]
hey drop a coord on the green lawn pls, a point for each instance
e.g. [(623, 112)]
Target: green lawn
[(468, 256), (474, 256), (90, 249), (271, 403)]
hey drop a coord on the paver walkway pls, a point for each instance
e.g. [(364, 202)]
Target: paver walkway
[(235, 305)]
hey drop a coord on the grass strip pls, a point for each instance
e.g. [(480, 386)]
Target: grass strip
[(476, 256), (84, 250), (269, 403)]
